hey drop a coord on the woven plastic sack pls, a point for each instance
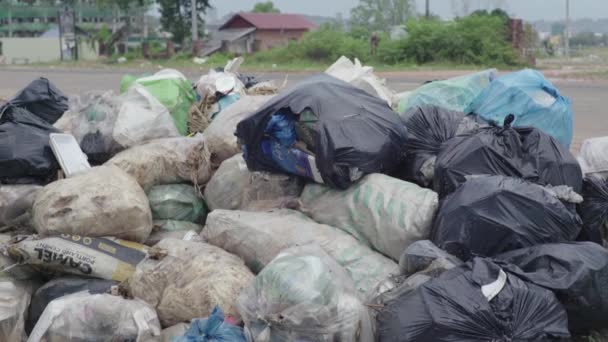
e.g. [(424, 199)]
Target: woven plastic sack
[(85, 317), (102, 201), (142, 117), (233, 186), (533, 100), (593, 157), (304, 295), (190, 281), (384, 212), (455, 93), (167, 161), (15, 298), (212, 329), (178, 202), (16, 203), (258, 237)]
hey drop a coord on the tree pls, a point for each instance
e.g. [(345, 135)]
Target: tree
[(265, 7), (176, 17), (380, 15)]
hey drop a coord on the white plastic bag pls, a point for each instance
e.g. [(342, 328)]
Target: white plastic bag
[(387, 213), (82, 316), (304, 295), (15, 299), (258, 237), (233, 186), (190, 281), (593, 157), (102, 201), (142, 118), (166, 161), (206, 85)]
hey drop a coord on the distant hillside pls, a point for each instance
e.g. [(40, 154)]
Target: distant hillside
[(579, 25)]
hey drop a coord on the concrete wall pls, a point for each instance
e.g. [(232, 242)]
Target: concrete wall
[(268, 39), (37, 50)]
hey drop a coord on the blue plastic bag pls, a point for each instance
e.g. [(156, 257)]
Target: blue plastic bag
[(212, 329), (532, 99)]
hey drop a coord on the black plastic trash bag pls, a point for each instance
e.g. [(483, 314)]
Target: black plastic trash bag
[(428, 128), (577, 272), (489, 215), (354, 133), (60, 287), (42, 99), (524, 152), (477, 301), (25, 151), (420, 255), (594, 209)]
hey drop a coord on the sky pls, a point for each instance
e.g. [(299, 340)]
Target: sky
[(526, 9)]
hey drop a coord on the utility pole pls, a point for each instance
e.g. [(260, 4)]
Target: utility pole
[(567, 33), (428, 9), (194, 21), (10, 19)]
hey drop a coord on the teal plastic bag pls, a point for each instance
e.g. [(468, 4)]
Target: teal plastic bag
[(177, 202)]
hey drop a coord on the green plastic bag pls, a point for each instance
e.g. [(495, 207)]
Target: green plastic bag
[(177, 202)]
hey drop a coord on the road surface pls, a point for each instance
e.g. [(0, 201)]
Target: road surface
[(590, 98)]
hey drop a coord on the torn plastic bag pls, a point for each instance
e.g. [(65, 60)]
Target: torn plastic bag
[(213, 329), (593, 157), (25, 150), (420, 255), (206, 85), (102, 201), (104, 258), (41, 98), (489, 215), (455, 93), (258, 237), (60, 287), (383, 212), (141, 118), (523, 152), (167, 161), (429, 127), (16, 203), (534, 101), (178, 202), (234, 187), (85, 317), (181, 230), (361, 77), (220, 134), (304, 295), (576, 272), (190, 281), (594, 210), (15, 298), (345, 114)]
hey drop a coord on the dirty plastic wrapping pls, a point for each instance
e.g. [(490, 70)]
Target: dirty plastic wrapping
[(234, 187), (478, 301), (84, 317), (141, 118), (453, 94), (523, 152), (576, 272), (15, 298), (26, 155), (104, 258), (429, 127), (534, 101), (304, 295), (167, 161), (16, 203), (220, 138), (91, 119), (206, 85), (10, 268), (174, 331), (190, 281), (181, 230), (489, 215), (60, 287), (420, 255), (258, 237), (361, 77), (102, 201), (41, 98), (593, 157), (386, 213), (342, 112), (212, 329), (177, 202), (594, 210)]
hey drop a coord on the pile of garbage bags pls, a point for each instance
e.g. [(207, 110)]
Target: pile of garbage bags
[(229, 209)]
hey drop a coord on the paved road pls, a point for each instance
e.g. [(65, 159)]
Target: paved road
[(589, 98)]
